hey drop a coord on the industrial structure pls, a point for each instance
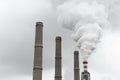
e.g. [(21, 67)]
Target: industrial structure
[(76, 66), (37, 67), (58, 61), (85, 75)]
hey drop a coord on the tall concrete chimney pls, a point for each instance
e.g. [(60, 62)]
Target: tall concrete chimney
[(76, 66), (37, 70), (58, 62)]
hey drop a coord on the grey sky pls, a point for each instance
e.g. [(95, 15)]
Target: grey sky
[(17, 30)]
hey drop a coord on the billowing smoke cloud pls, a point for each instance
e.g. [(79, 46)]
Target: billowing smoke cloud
[(86, 20)]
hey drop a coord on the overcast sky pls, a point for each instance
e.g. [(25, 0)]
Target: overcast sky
[(17, 34)]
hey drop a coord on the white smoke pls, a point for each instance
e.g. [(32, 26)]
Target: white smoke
[(86, 20)]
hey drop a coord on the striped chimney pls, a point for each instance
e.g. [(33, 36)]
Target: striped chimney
[(85, 66)]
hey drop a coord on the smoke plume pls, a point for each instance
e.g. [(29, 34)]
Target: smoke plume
[(87, 20)]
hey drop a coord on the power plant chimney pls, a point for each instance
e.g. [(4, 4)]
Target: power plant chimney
[(76, 66), (58, 68), (37, 70)]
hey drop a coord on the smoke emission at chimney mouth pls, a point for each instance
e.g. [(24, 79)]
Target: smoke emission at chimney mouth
[(87, 21)]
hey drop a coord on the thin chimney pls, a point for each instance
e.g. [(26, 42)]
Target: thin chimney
[(37, 69), (58, 68), (76, 66)]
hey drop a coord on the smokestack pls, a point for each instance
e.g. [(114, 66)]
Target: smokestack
[(76, 66), (85, 66), (85, 75), (37, 70), (58, 62)]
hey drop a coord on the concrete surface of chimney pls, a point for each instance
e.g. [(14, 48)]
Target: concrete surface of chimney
[(76, 66), (37, 70), (58, 68)]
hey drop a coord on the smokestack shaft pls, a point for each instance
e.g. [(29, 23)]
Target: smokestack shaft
[(85, 63), (76, 66), (58, 61), (37, 70)]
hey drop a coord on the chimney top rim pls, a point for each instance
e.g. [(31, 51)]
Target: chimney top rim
[(76, 52), (39, 24), (58, 38)]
